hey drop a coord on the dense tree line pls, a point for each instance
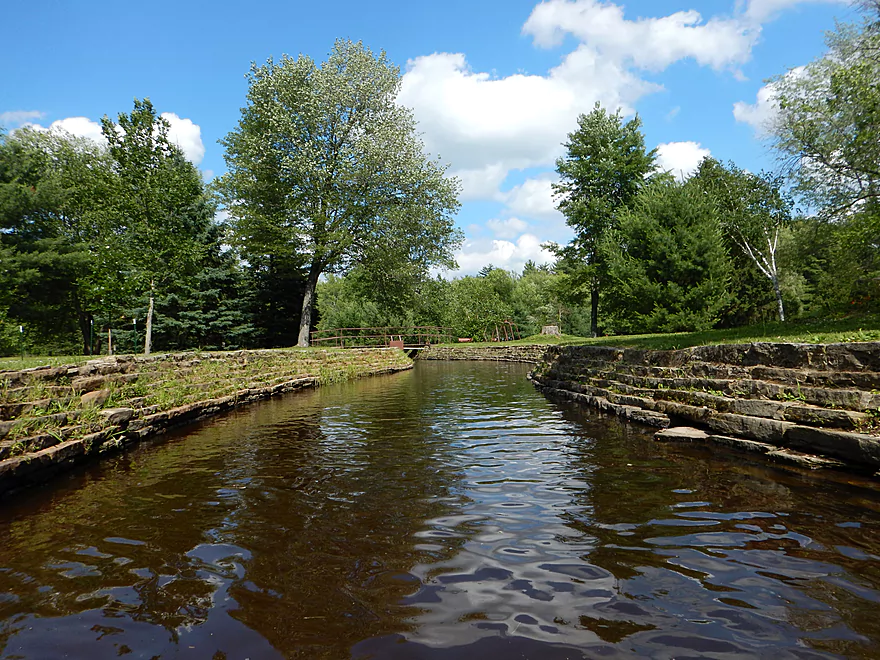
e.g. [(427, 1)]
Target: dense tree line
[(336, 216), (121, 242)]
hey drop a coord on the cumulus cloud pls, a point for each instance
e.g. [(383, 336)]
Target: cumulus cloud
[(182, 132), (79, 126), (648, 43), (474, 255), (761, 114), (482, 182), (486, 126), (186, 135), (680, 158), (18, 117), (509, 228), (533, 198)]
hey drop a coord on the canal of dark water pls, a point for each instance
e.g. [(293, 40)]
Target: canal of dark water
[(448, 512)]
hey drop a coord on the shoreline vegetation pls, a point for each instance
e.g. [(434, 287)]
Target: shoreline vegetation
[(54, 416), (861, 328)]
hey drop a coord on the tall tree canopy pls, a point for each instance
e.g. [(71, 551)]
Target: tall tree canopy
[(326, 171), (828, 125), (153, 222), (605, 166), (827, 131)]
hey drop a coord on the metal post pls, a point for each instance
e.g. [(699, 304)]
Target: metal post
[(21, 340)]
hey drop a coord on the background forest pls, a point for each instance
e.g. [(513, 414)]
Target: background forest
[(128, 237)]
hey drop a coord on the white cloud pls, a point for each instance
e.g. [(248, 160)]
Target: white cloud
[(647, 43), (481, 183), (186, 135), (760, 11), (183, 132), (509, 228), (474, 255), (533, 198), (761, 114), (681, 158), (79, 126), (18, 117), (485, 127)]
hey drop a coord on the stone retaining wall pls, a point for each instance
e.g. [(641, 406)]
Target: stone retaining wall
[(52, 418), (532, 354), (816, 405)]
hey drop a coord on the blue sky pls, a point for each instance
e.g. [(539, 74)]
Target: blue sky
[(495, 84)]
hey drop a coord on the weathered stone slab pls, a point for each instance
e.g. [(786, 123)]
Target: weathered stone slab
[(681, 434), (675, 409), (814, 415), (742, 444), (854, 447), (97, 398), (755, 428), (650, 418), (88, 383), (117, 416), (758, 408), (808, 461)]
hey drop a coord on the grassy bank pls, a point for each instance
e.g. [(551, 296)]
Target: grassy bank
[(828, 331), (43, 408)]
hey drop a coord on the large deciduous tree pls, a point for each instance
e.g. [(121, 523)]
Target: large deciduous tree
[(158, 213), (828, 124), (605, 166), (326, 171)]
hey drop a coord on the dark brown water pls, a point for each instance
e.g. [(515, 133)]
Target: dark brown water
[(449, 512)]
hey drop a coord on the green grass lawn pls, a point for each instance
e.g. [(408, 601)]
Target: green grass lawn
[(828, 331)]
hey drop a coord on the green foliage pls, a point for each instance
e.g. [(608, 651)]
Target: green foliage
[(605, 166), (753, 211), (326, 171), (668, 269), (828, 134)]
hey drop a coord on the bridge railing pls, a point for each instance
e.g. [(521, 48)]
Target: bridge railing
[(412, 336)]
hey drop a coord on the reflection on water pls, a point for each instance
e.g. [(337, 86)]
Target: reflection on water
[(448, 512)]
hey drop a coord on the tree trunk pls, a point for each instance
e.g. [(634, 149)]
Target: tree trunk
[(85, 329), (109, 341), (149, 338), (305, 319), (778, 293), (594, 309)]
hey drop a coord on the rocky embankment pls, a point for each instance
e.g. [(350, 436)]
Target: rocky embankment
[(54, 417), (532, 354), (810, 404)]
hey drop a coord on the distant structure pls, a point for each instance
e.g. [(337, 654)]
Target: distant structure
[(551, 330)]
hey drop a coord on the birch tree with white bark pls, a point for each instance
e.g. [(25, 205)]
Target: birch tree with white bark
[(754, 209)]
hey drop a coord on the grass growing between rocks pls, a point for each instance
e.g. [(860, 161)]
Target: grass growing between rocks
[(42, 408)]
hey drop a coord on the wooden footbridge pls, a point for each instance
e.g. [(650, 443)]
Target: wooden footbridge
[(409, 338)]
